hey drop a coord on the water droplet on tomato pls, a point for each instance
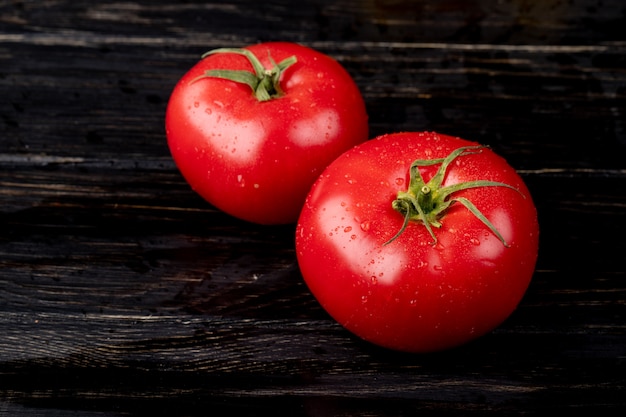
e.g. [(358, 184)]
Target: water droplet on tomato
[(365, 226), (353, 237), (347, 229), (208, 111), (438, 268), (399, 181), (196, 104)]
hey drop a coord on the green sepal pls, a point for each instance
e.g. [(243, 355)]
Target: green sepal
[(265, 83), (428, 202)]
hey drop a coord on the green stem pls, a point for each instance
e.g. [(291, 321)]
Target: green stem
[(428, 202), (265, 83)]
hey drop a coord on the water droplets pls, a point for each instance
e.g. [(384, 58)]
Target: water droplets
[(472, 239), (349, 179)]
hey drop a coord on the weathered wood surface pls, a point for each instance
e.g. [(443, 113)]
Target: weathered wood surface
[(123, 293)]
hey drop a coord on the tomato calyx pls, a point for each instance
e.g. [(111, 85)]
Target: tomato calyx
[(428, 202), (264, 82)]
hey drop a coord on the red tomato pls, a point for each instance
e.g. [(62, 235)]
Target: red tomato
[(254, 144), (418, 288)]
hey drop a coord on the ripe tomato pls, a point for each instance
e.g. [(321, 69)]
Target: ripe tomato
[(418, 279), (251, 129)]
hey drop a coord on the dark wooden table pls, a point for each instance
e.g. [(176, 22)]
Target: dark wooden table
[(122, 293)]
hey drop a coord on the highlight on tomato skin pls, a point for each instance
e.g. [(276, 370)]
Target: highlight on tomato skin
[(418, 241), (250, 129)]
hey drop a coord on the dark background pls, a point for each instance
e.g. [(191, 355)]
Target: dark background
[(122, 293)]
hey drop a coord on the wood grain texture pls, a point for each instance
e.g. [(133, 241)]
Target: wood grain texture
[(122, 293)]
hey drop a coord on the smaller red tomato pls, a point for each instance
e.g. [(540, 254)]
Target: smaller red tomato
[(251, 129), (418, 241)]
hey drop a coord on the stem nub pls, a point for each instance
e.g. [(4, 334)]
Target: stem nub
[(428, 202), (265, 83)]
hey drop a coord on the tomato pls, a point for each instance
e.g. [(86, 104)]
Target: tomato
[(418, 241), (251, 129)]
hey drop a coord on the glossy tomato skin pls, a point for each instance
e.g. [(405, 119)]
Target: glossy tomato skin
[(256, 160), (411, 295)]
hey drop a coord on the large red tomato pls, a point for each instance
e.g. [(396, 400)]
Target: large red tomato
[(251, 129), (418, 241)]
